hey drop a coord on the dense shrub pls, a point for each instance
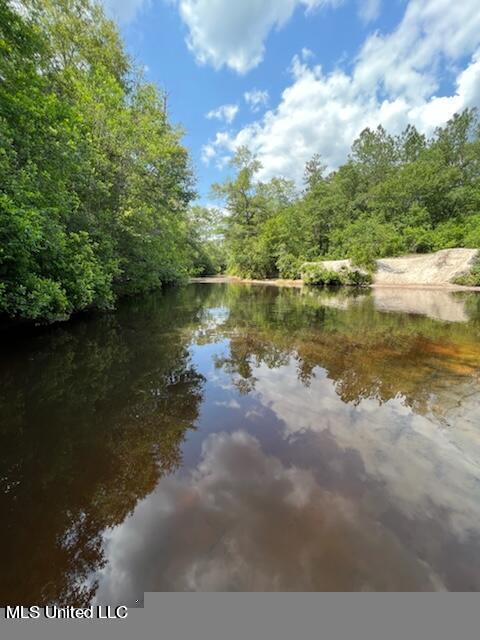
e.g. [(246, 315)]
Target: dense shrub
[(289, 266), (471, 279), (318, 275), (355, 277)]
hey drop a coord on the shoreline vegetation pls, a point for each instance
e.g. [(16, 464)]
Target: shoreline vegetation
[(395, 196), (95, 182), (444, 270), (97, 186)]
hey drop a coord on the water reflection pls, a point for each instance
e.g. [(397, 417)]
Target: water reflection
[(366, 353), (438, 304), (92, 415), (245, 521), (243, 438)]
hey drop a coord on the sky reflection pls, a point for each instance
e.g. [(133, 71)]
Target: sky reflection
[(243, 438)]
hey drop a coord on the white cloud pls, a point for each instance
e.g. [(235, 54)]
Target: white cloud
[(226, 113), (256, 99), (307, 54), (125, 11), (394, 82), (369, 10), (208, 153), (232, 34)]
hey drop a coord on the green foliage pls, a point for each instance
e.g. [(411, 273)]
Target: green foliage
[(252, 206), (394, 196), (471, 279), (96, 186), (365, 240), (355, 277), (94, 181), (316, 274), (205, 239), (289, 266), (472, 232)]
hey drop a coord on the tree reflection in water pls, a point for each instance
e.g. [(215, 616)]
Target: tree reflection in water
[(366, 353), (95, 413)]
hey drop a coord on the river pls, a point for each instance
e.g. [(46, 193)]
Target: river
[(231, 437)]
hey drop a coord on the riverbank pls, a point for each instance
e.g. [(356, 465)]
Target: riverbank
[(222, 279), (426, 271)]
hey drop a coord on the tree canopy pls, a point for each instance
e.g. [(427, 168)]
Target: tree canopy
[(96, 186), (394, 195), (94, 180)]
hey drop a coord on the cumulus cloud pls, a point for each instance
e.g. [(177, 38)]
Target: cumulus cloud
[(208, 153), (256, 99), (225, 113), (125, 10), (232, 34), (394, 82), (213, 151)]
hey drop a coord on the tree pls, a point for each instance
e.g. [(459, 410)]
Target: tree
[(206, 240), (375, 153), (243, 203), (393, 195), (94, 180), (314, 172)]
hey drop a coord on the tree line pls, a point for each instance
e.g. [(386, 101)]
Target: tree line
[(96, 187), (394, 195), (95, 183)]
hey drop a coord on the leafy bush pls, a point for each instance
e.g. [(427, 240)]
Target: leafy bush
[(35, 298), (355, 278), (365, 240), (449, 234), (471, 279), (318, 275), (472, 232), (289, 266)]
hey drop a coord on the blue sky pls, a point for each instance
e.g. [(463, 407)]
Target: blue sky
[(290, 78)]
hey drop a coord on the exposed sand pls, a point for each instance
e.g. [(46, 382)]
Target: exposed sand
[(234, 279), (428, 271), (433, 269), (442, 267)]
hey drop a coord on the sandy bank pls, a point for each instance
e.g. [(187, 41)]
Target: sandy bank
[(233, 279), (427, 271), (433, 269)]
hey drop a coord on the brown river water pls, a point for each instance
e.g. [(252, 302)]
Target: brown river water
[(231, 437)]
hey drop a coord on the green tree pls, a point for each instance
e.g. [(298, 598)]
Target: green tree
[(94, 180)]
